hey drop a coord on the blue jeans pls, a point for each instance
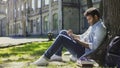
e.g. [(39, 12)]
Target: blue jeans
[(63, 40)]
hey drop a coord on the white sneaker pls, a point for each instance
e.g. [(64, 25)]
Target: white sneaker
[(67, 53), (56, 58), (42, 61), (79, 63), (72, 58)]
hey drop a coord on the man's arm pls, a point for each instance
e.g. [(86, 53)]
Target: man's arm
[(85, 44), (98, 36), (77, 38)]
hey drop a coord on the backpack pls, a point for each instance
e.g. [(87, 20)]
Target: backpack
[(113, 53)]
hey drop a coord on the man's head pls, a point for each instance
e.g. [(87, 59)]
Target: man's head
[(92, 15)]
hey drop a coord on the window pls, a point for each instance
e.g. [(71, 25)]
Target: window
[(6, 11), (46, 2), (83, 2), (33, 4), (96, 0), (55, 0), (31, 26), (17, 29), (37, 27), (4, 0), (22, 7), (55, 21), (39, 3), (46, 24), (27, 6), (18, 9)]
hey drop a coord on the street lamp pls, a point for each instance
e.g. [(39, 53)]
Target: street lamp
[(41, 16), (50, 36), (1, 27), (15, 14)]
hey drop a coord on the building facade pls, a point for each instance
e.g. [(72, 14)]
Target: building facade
[(3, 18), (38, 17)]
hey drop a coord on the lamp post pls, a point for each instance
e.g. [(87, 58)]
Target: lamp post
[(41, 16), (24, 19), (15, 12), (8, 17), (1, 27), (62, 14), (50, 36), (79, 13)]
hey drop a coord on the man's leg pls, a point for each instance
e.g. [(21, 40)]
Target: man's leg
[(59, 51), (58, 55), (65, 41), (61, 41)]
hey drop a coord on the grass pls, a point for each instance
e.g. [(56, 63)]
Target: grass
[(25, 52), (28, 52)]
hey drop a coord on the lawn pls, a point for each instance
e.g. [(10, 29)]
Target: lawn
[(29, 52), (25, 52)]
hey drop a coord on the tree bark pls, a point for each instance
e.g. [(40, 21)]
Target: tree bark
[(101, 9), (111, 17)]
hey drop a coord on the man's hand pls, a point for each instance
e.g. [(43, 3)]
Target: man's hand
[(77, 38), (69, 32), (72, 35)]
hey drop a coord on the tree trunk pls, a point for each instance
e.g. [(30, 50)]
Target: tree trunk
[(101, 9), (89, 3), (111, 17)]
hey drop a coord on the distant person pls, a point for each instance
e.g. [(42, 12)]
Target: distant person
[(77, 45)]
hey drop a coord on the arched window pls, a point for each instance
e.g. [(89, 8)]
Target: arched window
[(55, 21), (46, 23)]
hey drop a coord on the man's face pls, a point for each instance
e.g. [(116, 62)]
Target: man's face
[(91, 19)]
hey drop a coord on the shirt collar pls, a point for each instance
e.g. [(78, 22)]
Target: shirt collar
[(96, 23)]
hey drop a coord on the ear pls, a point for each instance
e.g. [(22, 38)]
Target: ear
[(96, 17)]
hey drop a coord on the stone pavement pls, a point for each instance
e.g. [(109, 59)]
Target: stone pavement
[(11, 41)]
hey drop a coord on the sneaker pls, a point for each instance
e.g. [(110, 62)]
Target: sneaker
[(42, 61), (79, 63), (72, 58), (56, 58), (67, 53)]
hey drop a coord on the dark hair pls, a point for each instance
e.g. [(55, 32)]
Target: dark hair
[(92, 11)]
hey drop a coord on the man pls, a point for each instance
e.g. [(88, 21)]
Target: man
[(77, 45)]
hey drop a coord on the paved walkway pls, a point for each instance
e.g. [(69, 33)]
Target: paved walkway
[(10, 41)]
